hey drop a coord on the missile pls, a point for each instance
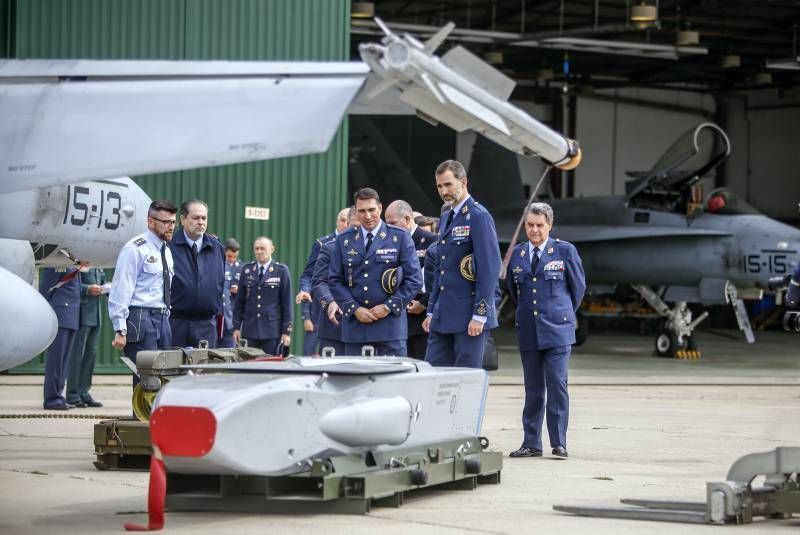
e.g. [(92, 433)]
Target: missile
[(273, 418), (462, 92)]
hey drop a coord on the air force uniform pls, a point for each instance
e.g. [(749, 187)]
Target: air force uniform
[(311, 311), (84, 352), (62, 289), (139, 301), (387, 273), (232, 272), (547, 294), (196, 289), (328, 333), (463, 286), (264, 307), (793, 293), (417, 337)]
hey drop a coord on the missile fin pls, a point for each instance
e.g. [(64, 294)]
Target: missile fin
[(474, 108), (480, 73), (438, 38), (380, 87), (384, 28), (433, 89)]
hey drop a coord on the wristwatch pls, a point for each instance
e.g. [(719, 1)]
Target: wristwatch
[(389, 310), (122, 332)]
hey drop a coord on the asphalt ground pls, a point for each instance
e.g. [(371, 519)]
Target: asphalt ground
[(640, 427)]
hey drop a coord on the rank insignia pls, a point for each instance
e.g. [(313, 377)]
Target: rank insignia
[(357, 236), (549, 250), (482, 309), (382, 235), (352, 252), (271, 269), (394, 239), (468, 216), (464, 209), (517, 269), (522, 252), (346, 243)]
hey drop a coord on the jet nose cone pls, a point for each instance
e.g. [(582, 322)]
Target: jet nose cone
[(28, 324)]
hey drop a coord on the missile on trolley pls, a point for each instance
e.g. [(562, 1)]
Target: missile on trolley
[(274, 418), (462, 92)]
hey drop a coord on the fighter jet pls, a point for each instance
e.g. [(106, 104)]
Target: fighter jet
[(64, 122), (672, 246)]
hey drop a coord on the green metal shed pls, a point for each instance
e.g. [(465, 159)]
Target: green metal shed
[(304, 194)]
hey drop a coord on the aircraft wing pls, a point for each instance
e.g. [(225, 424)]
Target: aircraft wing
[(67, 121), (598, 233)]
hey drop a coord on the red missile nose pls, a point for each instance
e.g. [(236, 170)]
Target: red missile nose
[(183, 431)]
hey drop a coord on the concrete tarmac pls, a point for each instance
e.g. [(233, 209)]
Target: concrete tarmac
[(640, 427)]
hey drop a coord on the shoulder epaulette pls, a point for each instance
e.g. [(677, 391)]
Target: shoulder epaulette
[(139, 242)]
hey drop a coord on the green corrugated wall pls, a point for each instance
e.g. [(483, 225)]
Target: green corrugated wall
[(304, 194)]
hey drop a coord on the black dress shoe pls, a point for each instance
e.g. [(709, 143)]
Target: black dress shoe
[(60, 407), (91, 402), (560, 451), (78, 404), (526, 452)]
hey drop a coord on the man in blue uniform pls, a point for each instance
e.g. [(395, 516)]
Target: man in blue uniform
[(62, 289), (793, 293), (199, 279), (138, 304), (310, 307), (263, 310), (84, 352), (546, 282), (374, 274), (400, 214), (233, 269), (330, 329), (461, 306)]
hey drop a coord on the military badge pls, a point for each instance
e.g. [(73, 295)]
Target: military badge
[(522, 252), (246, 271), (517, 269), (352, 252), (482, 309), (394, 239), (357, 236), (346, 243), (555, 265), (464, 209), (422, 239), (549, 250), (468, 216), (467, 268), (271, 269), (461, 231), (389, 280), (382, 235)]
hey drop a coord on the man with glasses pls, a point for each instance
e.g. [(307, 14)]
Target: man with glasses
[(139, 301)]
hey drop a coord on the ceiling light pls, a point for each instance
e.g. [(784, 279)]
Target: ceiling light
[(493, 57), (762, 78), (687, 37), (545, 74), (788, 64), (729, 61), (621, 48), (362, 10), (644, 13)]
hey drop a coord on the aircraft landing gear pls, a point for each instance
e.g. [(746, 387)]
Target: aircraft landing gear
[(674, 339)]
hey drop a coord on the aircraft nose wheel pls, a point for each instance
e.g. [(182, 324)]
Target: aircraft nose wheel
[(666, 344)]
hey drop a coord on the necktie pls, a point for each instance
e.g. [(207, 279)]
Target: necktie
[(260, 273), (194, 251), (165, 275), (369, 242), (534, 259), (450, 217)]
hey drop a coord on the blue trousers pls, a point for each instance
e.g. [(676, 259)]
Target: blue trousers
[(81, 364), (456, 349), (56, 367), (188, 333), (545, 373), (310, 342), (148, 329), (392, 348), (338, 346), (267, 345), (227, 339)]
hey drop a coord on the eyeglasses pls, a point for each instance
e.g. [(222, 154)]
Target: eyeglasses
[(167, 222)]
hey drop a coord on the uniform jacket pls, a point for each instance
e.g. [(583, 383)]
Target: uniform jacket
[(308, 270), (264, 310), (468, 247), (387, 274), (197, 285), (422, 240), (90, 304), (548, 299), (65, 300), (232, 272), (321, 293), (793, 293)]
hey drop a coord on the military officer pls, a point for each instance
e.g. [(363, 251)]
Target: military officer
[(330, 330), (400, 214), (263, 310), (546, 281), (308, 306), (199, 278), (461, 306), (374, 274), (84, 351), (62, 289), (793, 293), (233, 269), (138, 304)]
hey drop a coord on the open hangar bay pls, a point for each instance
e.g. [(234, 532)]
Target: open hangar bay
[(641, 427)]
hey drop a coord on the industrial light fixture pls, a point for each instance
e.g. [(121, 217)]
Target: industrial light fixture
[(362, 10), (493, 57), (545, 74), (762, 78), (730, 61), (687, 38), (620, 48), (790, 64), (644, 13)]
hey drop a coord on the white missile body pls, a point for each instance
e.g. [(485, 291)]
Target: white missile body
[(271, 418), (462, 92)]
